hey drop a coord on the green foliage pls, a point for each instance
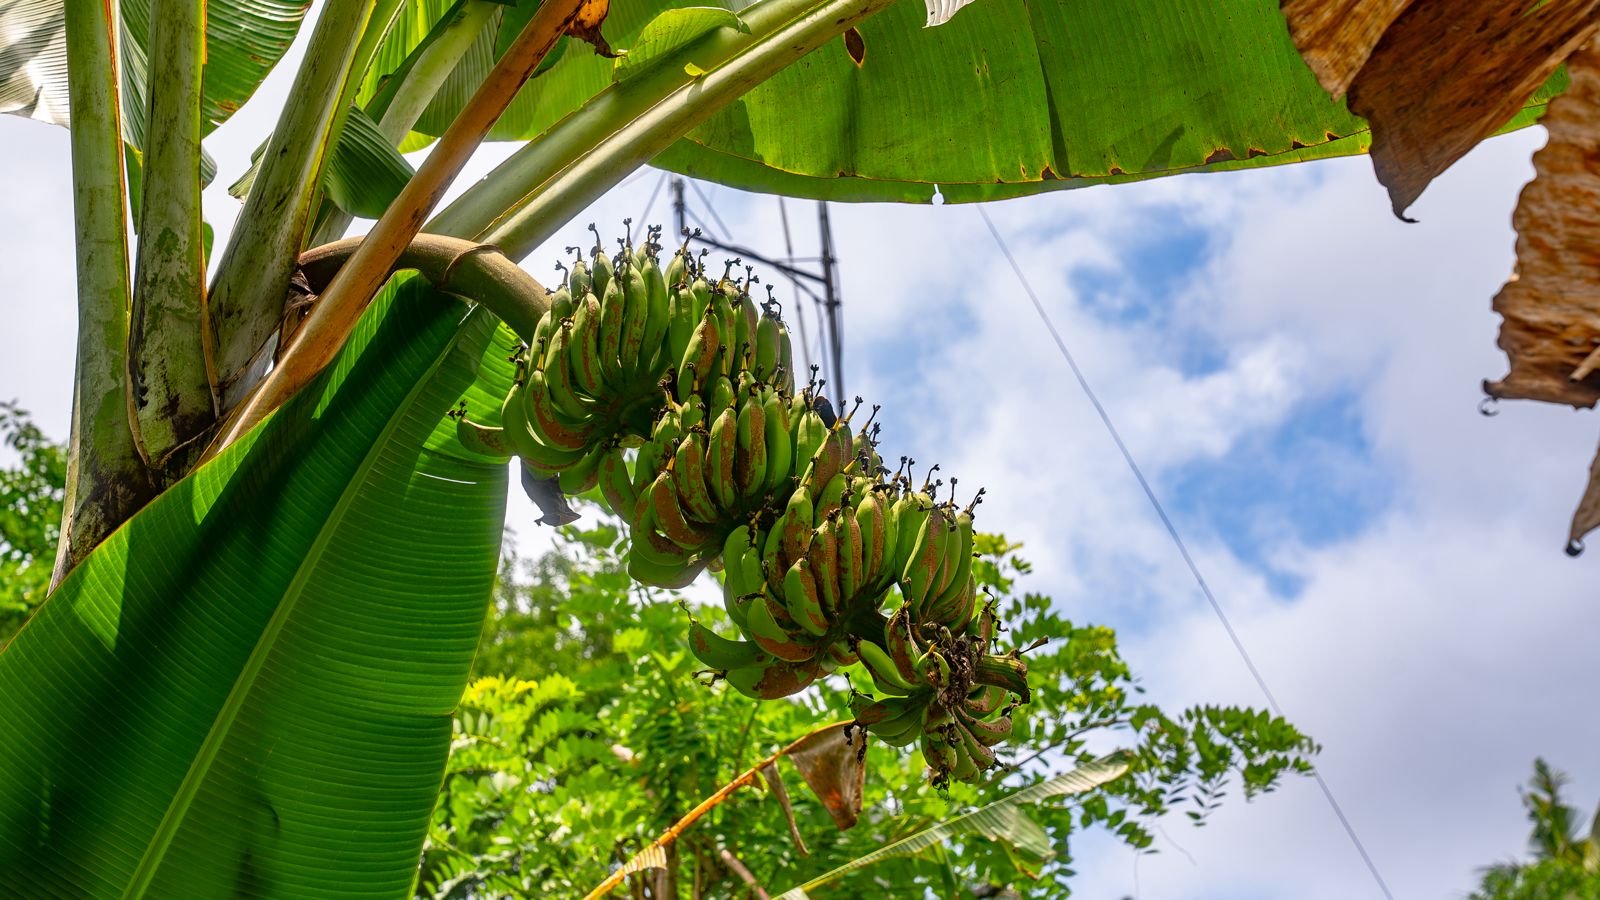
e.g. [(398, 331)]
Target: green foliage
[(587, 736), (30, 516), (1565, 865)]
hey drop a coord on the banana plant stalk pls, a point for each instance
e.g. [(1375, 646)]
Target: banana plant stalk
[(106, 478), (337, 310)]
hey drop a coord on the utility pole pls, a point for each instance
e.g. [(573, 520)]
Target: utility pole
[(804, 279)]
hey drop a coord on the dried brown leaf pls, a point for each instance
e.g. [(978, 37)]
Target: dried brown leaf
[(1445, 75), (1337, 36), (1552, 304), (1586, 517), (833, 763)]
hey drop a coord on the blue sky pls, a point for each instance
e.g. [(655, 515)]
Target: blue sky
[(1296, 371)]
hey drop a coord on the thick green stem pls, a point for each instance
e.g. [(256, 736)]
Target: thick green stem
[(432, 67), (420, 81), (174, 386), (247, 299), (106, 480)]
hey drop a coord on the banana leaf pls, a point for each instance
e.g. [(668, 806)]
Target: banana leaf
[(244, 40), (248, 688), (1002, 820), (1010, 97)]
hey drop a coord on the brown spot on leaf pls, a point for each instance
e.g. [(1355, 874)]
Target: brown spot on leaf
[(1116, 170), (1254, 152), (1221, 154), (1336, 36), (855, 46), (1296, 145), (1047, 174), (1446, 75)]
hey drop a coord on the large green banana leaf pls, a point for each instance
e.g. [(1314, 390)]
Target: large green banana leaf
[(247, 690), (244, 40), (1010, 97)]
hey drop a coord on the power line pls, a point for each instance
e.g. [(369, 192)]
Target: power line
[(649, 205), (1183, 550)]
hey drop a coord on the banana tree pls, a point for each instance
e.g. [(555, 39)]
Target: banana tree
[(276, 553)]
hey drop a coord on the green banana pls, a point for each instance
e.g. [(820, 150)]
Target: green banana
[(830, 499), (578, 281), (696, 365), (599, 270), (768, 351), (986, 733), (955, 573), (636, 312), (721, 451), (850, 560), (658, 320), (540, 409), (775, 680), (719, 652), (616, 485), (824, 560), (584, 474), (558, 376), (613, 308), (689, 479), (780, 450), (796, 529), (669, 515), (802, 599), (1007, 672), (750, 457), (884, 674), (483, 440), (585, 347), (766, 630)]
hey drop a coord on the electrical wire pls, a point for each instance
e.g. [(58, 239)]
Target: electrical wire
[(799, 311), (650, 204), (726, 231), (1172, 531)]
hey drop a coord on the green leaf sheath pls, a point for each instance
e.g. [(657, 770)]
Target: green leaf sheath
[(173, 398), (247, 297), (248, 689), (105, 476)]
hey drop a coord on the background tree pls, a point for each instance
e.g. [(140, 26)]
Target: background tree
[(583, 737), (30, 516), (1565, 863)]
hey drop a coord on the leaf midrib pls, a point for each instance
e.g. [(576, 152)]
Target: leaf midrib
[(172, 820)]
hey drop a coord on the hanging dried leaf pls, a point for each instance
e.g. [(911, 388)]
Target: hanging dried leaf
[(1447, 74), (1587, 516), (1552, 304), (832, 761), (586, 26), (775, 782), (1337, 36)]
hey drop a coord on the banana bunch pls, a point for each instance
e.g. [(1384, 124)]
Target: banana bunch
[(590, 380), (675, 394), (941, 689)]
